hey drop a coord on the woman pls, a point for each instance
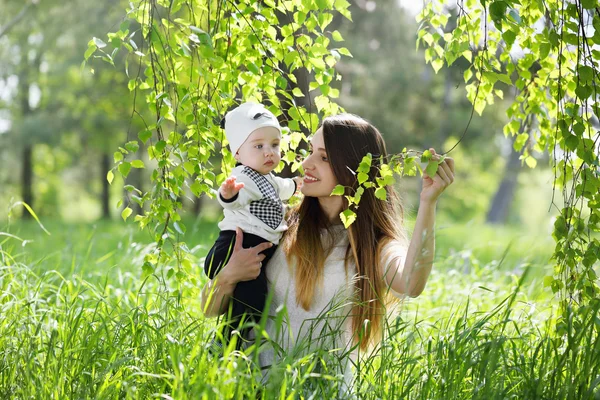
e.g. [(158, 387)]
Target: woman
[(319, 260)]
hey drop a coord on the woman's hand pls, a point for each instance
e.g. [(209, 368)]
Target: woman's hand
[(434, 186), (244, 264)]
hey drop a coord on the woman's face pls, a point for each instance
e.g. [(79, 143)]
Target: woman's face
[(319, 179)]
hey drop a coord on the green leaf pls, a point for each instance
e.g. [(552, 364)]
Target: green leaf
[(490, 76), (583, 92), (514, 14), (504, 78), (509, 37), (520, 141), (160, 145), (252, 68), (281, 82), (297, 92), (324, 20), (571, 142), (365, 163), (589, 4), (118, 156), (145, 135), (299, 17), (381, 193), (498, 11), (290, 57), (90, 50), (468, 74), (132, 146), (431, 168), (437, 64), (348, 217), (110, 176), (179, 228), (199, 36), (147, 269), (338, 190), (426, 156), (585, 73), (362, 177), (337, 36), (358, 194), (322, 4), (530, 161), (318, 63), (98, 42), (344, 51), (124, 168), (578, 128), (126, 213), (137, 164)]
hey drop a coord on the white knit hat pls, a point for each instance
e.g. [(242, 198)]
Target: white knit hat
[(245, 119)]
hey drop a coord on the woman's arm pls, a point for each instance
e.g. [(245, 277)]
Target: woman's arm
[(419, 256), (244, 265), (215, 296), (411, 277)]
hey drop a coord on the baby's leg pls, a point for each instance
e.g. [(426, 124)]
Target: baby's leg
[(249, 296), (219, 254)]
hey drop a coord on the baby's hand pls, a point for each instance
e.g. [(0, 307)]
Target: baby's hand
[(299, 181), (230, 188)]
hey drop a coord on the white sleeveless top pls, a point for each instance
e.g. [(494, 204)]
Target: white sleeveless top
[(327, 324)]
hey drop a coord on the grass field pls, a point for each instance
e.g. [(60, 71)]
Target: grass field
[(78, 320)]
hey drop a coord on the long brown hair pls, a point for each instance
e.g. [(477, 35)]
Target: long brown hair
[(348, 138)]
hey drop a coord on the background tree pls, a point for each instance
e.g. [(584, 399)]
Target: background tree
[(556, 78), (49, 103), (387, 83)]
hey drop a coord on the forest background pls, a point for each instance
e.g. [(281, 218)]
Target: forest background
[(99, 323), (60, 124)]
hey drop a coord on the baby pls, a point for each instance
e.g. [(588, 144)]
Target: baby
[(252, 200)]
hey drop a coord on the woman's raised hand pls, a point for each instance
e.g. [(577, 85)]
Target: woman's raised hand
[(434, 186), (244, 264)]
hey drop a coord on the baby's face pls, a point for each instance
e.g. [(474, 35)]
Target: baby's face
[(261, 150)]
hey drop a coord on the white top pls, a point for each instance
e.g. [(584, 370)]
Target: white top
[(258, 207), (302, 331)]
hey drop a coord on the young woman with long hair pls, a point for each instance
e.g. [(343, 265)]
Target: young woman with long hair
[(318, 260)]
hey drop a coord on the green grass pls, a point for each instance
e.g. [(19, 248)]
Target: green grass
[(78, 320)]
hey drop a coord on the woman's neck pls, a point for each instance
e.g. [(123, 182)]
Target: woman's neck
[(332, 207)]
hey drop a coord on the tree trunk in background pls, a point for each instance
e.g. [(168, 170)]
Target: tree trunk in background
[(503, 199), (198, 203), (26, 162), (27, 179), (138, 182), (449, 86), (446, 125), (105, 197), (303, 78)]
